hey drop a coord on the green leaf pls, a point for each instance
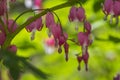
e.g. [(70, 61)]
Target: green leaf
[(97, 5), (36, 71), (15, 64)]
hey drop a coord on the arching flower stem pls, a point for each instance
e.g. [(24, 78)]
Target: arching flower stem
[(12, 35)]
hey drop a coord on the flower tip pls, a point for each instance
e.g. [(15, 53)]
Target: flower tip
[(79, 68), (86, 67), (66, 59), (59, 50)]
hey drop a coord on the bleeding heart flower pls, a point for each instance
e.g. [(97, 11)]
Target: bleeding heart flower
[(66, 48), (76, 15), (85, 58), (36, 25), (116, 9), (87, 26), (80, 14), (3, 7), (49, 19), (56, 30), (107, 7), (11, 27), (83, 38), (12, 48), (72, 15)]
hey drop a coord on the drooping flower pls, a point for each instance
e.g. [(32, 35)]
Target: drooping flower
[(72, 15), (111, 7), (83, 38), (3, 7), (66, 49), (81, 14), (76, 15), (56, 30), (84, 41), (107, 7), (87, 26), (116, 9), (36, 25), (12, 48), (11, 27), (85, 58), (49, 19), (63, 38), (60, 38)]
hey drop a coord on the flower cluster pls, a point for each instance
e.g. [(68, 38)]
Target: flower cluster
[(6, 25), (61, 37), (77, 14), (10, 28), (111, 7), (84, 38), (54, 28), (58, 34)]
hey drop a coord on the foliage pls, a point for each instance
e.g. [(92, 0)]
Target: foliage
[(104, 52)]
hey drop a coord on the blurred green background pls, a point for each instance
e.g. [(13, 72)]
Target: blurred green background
[(104, 61)]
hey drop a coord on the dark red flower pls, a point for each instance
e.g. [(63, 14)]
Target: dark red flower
[(49, 19), (107, 7), (11, 28), (56, 30), (116, 8), (85, 57), (80, 14), (36, 25), (12, 48), (66, 49), (73, 14), (87, 26), (83, 38), (76, 14)]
